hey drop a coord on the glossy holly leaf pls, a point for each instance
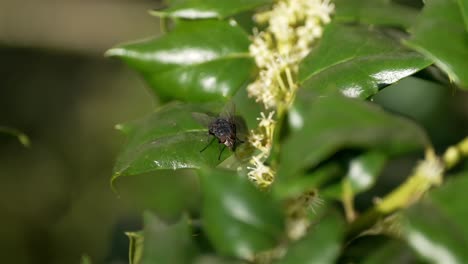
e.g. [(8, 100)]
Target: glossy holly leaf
[(204, 60), (169, 138), (321, 245), (436, 228), (440, 34), (196, 9), (135, 249), (375, 12), (357, 61), (324, 125), (238, 219), (167, 243)]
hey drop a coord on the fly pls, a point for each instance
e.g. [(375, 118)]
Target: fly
[(225, 128)]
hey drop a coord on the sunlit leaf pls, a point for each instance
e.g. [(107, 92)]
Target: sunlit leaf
[(204, 60), (357, 61), (239, 219), (169, 138)]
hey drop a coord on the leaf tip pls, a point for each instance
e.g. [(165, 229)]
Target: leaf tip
[(114, 52), (156, 13), (24, 140), (112, 185)]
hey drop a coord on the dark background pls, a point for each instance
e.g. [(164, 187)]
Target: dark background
[(55, 200)]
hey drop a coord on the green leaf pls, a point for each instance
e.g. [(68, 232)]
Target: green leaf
[(238, 219), (22, 138), (440, 34), (196, 9), (321, 126), (321, 245), (375, 12), (436, 228), (170, 138), (204, 60), (212, 259), (167, 243), (310, 181), (364, 170), (357, 61), (464, 10), (167, 193), (135, 250), (392, 252)]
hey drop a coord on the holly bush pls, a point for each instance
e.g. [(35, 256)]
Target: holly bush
[(301, 184)]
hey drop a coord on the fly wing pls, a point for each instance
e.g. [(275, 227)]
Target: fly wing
[(202, 118), (241, 127), (229, 110)]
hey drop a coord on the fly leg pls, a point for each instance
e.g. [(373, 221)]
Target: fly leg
[(207, 145)]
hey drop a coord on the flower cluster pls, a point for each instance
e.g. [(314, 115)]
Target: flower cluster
[(292, 26), (262, 140)]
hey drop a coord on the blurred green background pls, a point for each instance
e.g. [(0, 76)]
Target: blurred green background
[(56, 86)]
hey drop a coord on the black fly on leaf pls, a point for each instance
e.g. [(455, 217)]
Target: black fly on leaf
[(226, 127)]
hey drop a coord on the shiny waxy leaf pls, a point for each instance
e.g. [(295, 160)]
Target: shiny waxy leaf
[(196, 9), (239, 219), (167, 243), (357, 61), (436, 228), (441, 35), (170, 138), (203, 60), (324, 125), (321, 245), (375, 12)]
